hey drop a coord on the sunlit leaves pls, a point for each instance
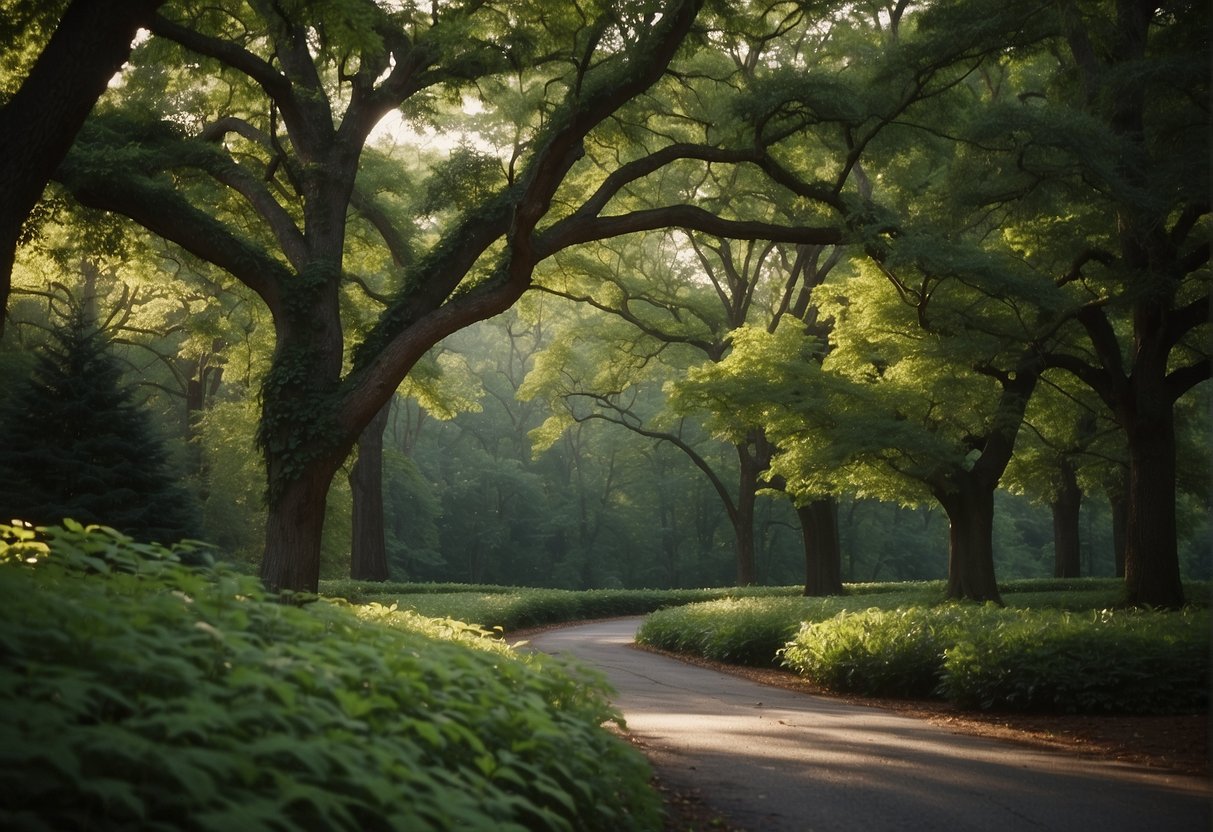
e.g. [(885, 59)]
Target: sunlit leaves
[(153, 694)]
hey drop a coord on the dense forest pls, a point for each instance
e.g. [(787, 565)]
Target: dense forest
[(628, 294)]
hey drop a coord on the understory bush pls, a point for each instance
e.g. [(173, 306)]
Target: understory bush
[(142, 693), (514, 608), (1014, 659), (879, 652), (752, 631), (1123, 661), (745, 631)]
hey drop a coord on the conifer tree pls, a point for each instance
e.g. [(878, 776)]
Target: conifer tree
[(74, 444)]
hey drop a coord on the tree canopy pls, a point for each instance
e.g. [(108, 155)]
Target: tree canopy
[(912, 244)]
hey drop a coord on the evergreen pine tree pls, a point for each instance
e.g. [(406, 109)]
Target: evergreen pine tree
[(74, 444)]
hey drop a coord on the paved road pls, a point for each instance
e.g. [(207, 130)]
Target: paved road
[(773, 760)]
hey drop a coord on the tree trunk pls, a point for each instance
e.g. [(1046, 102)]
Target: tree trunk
[(294, 523), (1120, 521), (1151, 540), (743, 531), (970, 510), (1066, 554), (822, 554), (749, 470), (368, 551), (38, 124)]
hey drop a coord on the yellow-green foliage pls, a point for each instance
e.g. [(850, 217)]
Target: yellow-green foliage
[(140, 693), (1134, 661), (513, 608), (753, 631)]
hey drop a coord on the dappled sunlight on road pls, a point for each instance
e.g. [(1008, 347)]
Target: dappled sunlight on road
[(773, 759)]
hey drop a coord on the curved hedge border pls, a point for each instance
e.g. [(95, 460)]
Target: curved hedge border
[(142, 693), (514, 608), (753, 631), (1130, 661)]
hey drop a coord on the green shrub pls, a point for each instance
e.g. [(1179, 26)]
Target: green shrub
[(1129, 661), (753, 631), (1015, 659), (738, 630), (141, 693), (879, 652), (514, 608)]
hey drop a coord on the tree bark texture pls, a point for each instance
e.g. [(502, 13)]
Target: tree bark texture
[(294, 526), (749, 469), (368, 549), (1151, 540), (822, 553), (38, 124), (970, 510), (1067, 562)]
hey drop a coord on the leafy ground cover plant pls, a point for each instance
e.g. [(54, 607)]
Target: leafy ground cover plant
[(1130, 661), (1106, 661), (142, 693), (514, 608), (753, 631), (1056, 646)]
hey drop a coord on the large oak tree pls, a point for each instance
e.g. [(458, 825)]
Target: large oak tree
[(265, 186)]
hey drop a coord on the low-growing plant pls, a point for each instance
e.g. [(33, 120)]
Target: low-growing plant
[(513, 608), (1124, 661), (745, 631), (753, 631), (1129, 661), (142, 693), (881, 652)]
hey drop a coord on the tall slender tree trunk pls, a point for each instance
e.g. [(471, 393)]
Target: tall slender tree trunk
[(368, 549), (970, 509), (822, 553), (1067, 557), (743, 531), (749, 469), (1119, 504)]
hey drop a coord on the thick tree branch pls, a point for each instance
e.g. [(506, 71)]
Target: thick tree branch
[(639, 168), (1183, 320), (397, 244), (230, 173), (1094, 377), (164, 212), (38, 123), (236, 57), (1103, 338), (576, 229), (1092, 254), (1183, 379)]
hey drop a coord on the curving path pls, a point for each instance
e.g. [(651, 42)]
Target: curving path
[(769, 759)]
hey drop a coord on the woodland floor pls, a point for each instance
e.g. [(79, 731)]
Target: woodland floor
[(1167, 743)]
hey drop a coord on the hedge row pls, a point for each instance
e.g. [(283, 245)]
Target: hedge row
[(1125, 661), (1046, 658), (752, 631), (515, 608), (142, 693)]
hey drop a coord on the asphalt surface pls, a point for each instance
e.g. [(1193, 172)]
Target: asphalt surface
[(772, 760)]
